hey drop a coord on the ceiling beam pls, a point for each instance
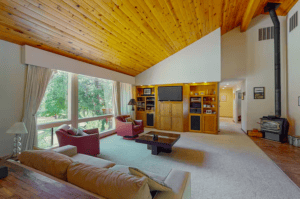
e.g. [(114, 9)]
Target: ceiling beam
[(250, 11)]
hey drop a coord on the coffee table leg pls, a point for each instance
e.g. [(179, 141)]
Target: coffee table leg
[(155, 150), (167, 150), (149, 147)]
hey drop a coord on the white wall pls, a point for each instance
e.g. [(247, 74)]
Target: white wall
[(234, 55), (12, 84), (293, 74), (260, 71), (199, 62), (244, 57), (244, 108), (37, 57)]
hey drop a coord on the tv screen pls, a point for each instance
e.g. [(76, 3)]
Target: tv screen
[(170, 93)]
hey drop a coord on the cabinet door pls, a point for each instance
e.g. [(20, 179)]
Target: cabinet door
[(165, 116), (177, 117), (210, 124), (141, 116), (177, 110)]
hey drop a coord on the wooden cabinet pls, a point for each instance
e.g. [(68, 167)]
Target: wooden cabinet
[(165, 116), (142, 116), (177, 116), (210, 124), (170, 116)]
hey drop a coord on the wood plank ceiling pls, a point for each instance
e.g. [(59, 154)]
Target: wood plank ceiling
[(128, 36)]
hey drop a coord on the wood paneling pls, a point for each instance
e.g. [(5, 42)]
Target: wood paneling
[(128, 36)]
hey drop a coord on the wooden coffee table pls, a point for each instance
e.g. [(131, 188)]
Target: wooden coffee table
[(164, 142)]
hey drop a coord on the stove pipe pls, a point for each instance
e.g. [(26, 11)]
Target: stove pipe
[(271, 8)]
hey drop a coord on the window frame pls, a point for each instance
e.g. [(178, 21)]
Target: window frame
[(73, 112)]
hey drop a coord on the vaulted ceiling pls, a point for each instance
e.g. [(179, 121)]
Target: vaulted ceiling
[(128, 36)]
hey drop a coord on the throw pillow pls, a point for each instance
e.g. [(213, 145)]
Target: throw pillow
[(72, 131), (81, 133), (128, 119), (108, 183), (47, 161), (64, 128), (154, 184)]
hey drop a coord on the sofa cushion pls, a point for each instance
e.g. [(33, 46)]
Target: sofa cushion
[(108, 183), (125, 169), (94, 161), (47, 161), (154, 184), (67, 150)]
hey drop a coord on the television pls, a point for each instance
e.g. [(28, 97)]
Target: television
[(170, 93)]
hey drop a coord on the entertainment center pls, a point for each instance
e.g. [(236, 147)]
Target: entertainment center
[(179, 107)]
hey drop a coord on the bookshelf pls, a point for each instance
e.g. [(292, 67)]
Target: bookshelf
[(146, 104), (203, 108)]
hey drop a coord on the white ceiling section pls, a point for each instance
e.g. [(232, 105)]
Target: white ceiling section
[(37, 57)]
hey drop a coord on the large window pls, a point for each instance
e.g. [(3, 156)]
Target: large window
[(94, 97), (91, 108), (54, 106)]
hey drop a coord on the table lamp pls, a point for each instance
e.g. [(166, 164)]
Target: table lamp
[(17, 129), (132, 102)]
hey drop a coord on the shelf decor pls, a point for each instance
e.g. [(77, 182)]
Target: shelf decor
[(259, 92), (147, 91)]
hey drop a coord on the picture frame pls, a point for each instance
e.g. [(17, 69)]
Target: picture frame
[(147, 91), (223, 98), (299, 101), (208, 111), (259, 92)]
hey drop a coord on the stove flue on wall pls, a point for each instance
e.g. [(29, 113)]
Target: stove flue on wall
[(271, 8)]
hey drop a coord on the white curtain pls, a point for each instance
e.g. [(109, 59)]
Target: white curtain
[(36, 85), (114, 99), (126, 96)]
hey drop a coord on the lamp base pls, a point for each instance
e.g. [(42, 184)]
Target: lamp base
[(3, 172)]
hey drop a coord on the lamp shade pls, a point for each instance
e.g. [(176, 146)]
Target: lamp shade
[(132, 102), (17, 128)]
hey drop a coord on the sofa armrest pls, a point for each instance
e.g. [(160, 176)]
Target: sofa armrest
[(67, 150), (180, 182), (92, 131)]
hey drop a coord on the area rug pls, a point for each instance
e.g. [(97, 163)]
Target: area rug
[(228, 165)]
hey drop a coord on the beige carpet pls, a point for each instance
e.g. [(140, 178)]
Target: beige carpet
[(228, 165)]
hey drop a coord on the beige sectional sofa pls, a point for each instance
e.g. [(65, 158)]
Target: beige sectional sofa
[(179, 181)]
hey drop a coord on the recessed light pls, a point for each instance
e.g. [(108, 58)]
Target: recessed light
[(205, 82), (227, 84), (194, 82)]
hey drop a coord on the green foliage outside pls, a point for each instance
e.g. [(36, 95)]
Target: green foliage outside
[(94, 95)]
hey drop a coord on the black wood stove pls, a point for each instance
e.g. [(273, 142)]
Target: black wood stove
[(274, 127)]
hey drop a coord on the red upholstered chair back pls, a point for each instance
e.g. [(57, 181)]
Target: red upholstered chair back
[(121, 118)]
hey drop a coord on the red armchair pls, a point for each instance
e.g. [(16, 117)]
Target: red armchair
[(89, 145), (127, 129)]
